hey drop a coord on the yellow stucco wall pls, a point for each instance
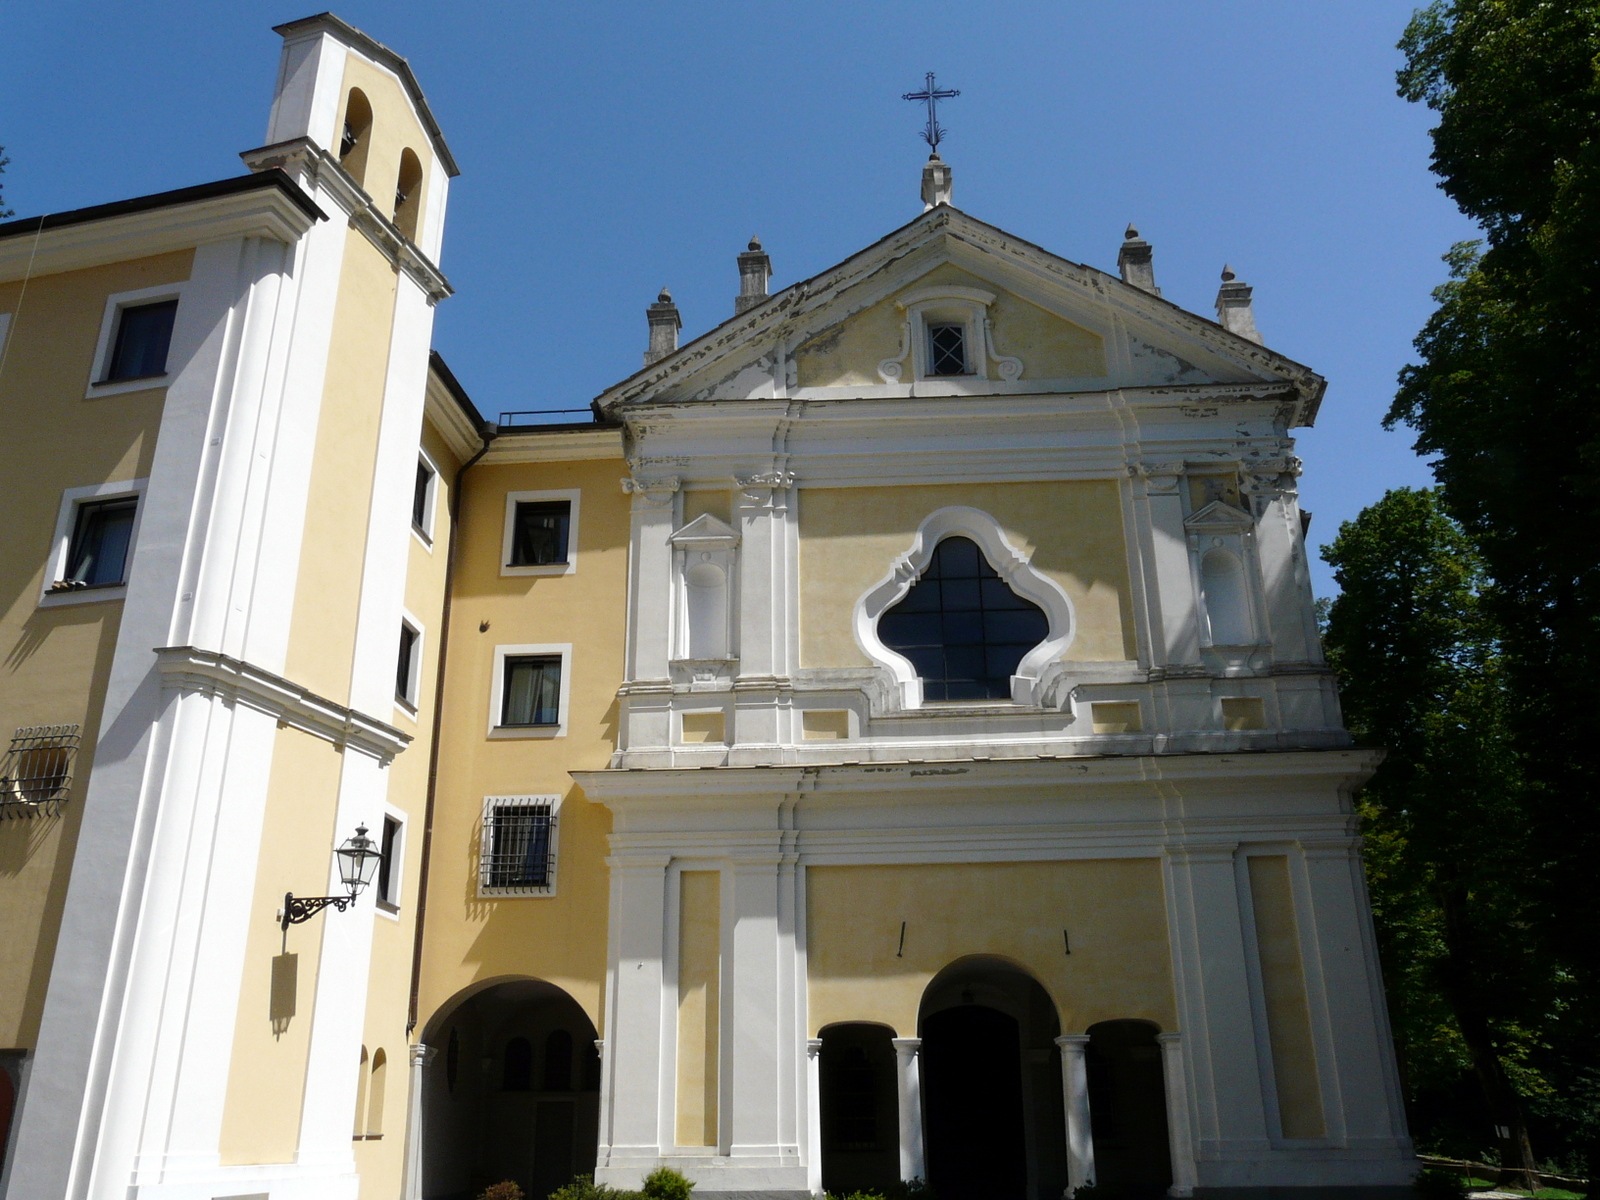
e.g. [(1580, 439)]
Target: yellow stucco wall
[(1113, 910), (328, 588), (1071, 530), (54, 661), (394, 128), (273, 1035), (1283, 984), (848, 354), (559, 938), (699, 1005)]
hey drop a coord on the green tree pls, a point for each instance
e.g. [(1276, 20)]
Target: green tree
[(1421, 675), (1505, 395), (4, 162)]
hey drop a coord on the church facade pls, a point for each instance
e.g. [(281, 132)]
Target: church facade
[(888, 741)]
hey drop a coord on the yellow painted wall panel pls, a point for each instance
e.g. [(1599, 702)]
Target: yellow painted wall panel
[(471, 939), (266, 1073), (328, 589), (1113, 910), (1072, 531), (1294, 1059), (54, 662), (699, 1005)]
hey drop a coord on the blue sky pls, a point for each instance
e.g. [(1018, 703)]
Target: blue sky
[(610, 148)]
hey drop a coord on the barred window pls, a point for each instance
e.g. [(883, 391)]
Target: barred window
[(947, 350), (36, 773), (518, 853)]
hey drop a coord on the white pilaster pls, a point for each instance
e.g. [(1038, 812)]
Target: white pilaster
[(1075, 1099), (416, 1121), (753, 1074), (1285, 578), (1179, 1139), (913, 1161), (1176, 617), (814, 1116)]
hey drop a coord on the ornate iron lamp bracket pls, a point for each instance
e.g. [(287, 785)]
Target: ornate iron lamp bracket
[(302, 908)]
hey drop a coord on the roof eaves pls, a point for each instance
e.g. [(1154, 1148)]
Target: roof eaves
[(190, 195)]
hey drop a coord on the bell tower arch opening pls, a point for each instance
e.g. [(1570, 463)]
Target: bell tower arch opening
[(516, 1093), (991, 1084)]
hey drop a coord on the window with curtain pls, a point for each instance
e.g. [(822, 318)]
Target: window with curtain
[(101, 535), (144, 335), (531, 694), (518, 847), (539, 533)]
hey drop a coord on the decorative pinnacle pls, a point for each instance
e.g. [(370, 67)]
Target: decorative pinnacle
[(665, 297), (1131, 233), (1227, 273), (755, 242)]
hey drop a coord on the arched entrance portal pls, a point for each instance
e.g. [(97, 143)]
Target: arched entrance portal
[(860, 1109), (1128, 1110), (991, 1081), (513, 1092)]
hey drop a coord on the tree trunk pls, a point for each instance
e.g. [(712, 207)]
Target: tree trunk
[(1459, 975)]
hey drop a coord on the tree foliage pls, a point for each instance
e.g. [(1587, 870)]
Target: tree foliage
[(5, 161), (1506, 394)]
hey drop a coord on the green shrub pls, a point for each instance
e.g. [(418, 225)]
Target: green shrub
[(585, 1188), (504, 1190), (912, 1189), (666, 1184), (1437, 1183)]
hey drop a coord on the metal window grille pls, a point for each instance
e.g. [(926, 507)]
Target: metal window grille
[(948, 351), (518, 854), (36, 773)]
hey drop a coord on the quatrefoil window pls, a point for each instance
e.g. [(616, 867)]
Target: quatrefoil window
[(962, 628)]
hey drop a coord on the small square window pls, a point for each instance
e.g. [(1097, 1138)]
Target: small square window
[(947, 350), (405, 679), (144, 334), (388, 868), (531, 694), (422, 499), (98, 556), (518, 851), (539, 533)]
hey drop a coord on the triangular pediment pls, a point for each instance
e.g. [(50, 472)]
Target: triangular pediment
[(1040, 323), (705, 531), (1219, 514)]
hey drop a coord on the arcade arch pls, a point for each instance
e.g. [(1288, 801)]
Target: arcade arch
[(514, 1095)]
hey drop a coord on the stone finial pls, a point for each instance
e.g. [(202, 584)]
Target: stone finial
[(1134, 260), (1234, 307), (664, 326), (755, 268), (936, 182)]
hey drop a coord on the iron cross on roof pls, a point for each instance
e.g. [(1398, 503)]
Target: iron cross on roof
[(932, 95)]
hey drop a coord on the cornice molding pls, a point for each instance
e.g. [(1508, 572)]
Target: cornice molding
[(276, 209), (564, 445), (445, 415), (320, 172), (192, 670)]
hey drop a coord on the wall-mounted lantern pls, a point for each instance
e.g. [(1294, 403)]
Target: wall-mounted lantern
[(358, 863)]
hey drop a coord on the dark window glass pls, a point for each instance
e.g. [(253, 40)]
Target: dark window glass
[(517, 1072), (962, 628), (947, 350), (402, 673), (419, 497), (386, 874), (99, 553), (558, 1061), (516, 846), (144, 332), (539, 533), (532, 694)]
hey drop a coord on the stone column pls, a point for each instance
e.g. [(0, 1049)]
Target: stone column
[(1075, 1096), (1179, 1140), (814, 1116), (411, 1182), (912, 1165)]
